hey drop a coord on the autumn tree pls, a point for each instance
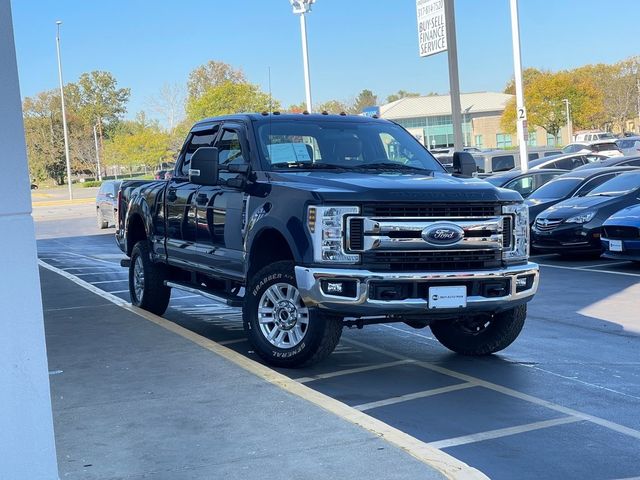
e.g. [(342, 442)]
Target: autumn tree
[(212, 74), (228, 98), (334, 106), (169, 104)]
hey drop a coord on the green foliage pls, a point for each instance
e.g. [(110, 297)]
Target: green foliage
[(212, 74), (91, 183), (228, 98), (366, 98), (333, 106), (401, 94), (138, 143)]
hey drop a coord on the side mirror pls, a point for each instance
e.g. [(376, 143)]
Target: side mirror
[(204, 166), (463, 164)]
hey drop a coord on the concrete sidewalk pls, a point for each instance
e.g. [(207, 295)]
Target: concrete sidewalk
[(132, 400)]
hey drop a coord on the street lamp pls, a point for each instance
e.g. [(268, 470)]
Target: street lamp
[(569, 121), (64, 113), (95, 138), (302, 7)]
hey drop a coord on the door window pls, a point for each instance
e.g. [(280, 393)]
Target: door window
[(502, 163), (229, 152), (593, 183), (523, 185)]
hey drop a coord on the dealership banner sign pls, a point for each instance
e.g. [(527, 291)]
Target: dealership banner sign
[(432, 27)]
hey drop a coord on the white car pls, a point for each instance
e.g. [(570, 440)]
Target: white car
[(594, 136), (630, 146)]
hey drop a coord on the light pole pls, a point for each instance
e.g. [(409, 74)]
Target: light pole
[(569, 121), (64, 113), (521, 111), (95, 138), (302, 7)]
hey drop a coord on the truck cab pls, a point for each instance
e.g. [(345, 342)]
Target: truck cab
[(310, 223)]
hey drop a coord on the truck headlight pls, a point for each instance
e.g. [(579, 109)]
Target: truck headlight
[(581, 218), (327, 228), (519, 249)]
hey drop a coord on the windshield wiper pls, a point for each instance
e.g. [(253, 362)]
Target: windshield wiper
[(393, 167)]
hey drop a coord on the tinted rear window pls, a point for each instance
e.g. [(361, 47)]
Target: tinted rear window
[(618, 186), (558, 188), (601, 147), (501, 163)]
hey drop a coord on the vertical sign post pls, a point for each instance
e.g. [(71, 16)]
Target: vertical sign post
[(437, 33), (521, 111)]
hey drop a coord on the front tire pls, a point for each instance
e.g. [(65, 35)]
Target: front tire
[(281, 329), (102, 223), (146, 281), (482, 335)]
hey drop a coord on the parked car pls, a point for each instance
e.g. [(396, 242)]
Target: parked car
[(594, 136), (524, 183), (159, 175), (621, 234), (541, 152), (565, 161), (575, 225), (613, 162), (629, 145), (576, 147), (311, 223), (607, 148), (106, 203), (577, 183)]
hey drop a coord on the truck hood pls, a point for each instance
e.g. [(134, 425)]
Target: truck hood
[(348, 186)]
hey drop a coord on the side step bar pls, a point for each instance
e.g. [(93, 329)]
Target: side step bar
[(231, 300)]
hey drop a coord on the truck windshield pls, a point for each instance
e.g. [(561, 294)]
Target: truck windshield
[(342, 145)]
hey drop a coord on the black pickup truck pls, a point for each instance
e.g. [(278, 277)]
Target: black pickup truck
[(315, 222)]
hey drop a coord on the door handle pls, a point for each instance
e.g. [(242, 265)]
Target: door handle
[(171, 195), (202, 199)]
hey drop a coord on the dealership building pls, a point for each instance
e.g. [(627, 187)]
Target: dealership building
[(429, 119)]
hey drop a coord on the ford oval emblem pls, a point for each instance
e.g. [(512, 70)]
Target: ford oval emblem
[(443, 234)]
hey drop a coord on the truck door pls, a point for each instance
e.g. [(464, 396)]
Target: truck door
[(180, 201), (220, 210)]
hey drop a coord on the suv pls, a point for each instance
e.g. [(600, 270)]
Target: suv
[(315, 222)]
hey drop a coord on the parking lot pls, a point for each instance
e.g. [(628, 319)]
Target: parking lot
[(561, 402)]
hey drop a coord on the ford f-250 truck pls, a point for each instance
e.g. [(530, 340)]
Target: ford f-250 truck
[(315, 222)]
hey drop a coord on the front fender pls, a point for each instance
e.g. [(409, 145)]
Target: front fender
[(138, 207)]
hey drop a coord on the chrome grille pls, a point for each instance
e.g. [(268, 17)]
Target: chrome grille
[(546, 224)]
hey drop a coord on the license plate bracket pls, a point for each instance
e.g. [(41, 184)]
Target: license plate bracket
[(447, 297)]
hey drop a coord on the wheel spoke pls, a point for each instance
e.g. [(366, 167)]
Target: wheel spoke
[(282, 317), (274, 333), (271, 295), (280, 338)]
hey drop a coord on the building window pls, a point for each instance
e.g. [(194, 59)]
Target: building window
[(503, 140), (478, 141), (553, 141), (533, 139), (412, 122)]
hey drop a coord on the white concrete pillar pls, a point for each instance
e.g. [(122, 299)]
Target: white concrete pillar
[(27, 448)]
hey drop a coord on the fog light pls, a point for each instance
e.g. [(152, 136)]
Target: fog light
[(521, 282), (340, 288), (524, 283)]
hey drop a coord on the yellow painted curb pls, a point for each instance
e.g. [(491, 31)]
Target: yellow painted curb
[(59, 203)]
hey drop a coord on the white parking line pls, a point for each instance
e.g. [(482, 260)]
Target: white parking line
[(84, 268), (598, 265), (414, 396), (118, 291), (86, 274), (503, 432), (616, 427), (108, 281), (349, 371), (587, 269)]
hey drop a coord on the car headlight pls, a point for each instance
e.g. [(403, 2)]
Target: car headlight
[(519, 248), (581, 218), (327, 228)]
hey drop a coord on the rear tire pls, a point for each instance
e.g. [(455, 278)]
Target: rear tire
[(481, 335), (146, 281), (281, 329)]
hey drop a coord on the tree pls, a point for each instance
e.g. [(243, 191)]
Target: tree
[(212, 74), (169, 104), (333, 106), (297, 107), (228, 98), (544, 95), (366, 98), (401, 94), (138, 143)]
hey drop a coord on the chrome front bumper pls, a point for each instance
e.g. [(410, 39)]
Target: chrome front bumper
[(309, 283)]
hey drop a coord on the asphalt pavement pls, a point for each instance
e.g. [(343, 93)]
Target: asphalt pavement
[(561, 402)]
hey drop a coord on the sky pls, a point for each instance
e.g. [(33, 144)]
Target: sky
[(353, 44)]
